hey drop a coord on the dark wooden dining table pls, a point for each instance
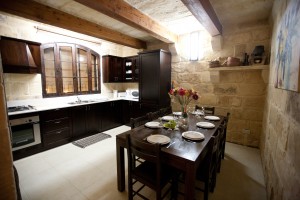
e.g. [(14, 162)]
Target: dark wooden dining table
[(185, 155)]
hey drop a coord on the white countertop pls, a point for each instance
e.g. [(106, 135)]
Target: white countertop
[(61, 102)]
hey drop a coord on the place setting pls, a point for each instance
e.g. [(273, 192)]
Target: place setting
[(212, 118), (193, 136)]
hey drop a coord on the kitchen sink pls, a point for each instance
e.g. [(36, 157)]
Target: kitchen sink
[(81, 102)]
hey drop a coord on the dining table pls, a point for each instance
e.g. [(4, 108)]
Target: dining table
[(182, 153)]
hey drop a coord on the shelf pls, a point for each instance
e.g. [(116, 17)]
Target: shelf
[(237, 68)]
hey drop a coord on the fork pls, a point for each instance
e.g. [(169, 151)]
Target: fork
[(170, 144)]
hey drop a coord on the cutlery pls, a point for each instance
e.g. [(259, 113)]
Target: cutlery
[(170, 144)]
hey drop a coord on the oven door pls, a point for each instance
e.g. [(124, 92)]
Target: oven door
[(25, 135)]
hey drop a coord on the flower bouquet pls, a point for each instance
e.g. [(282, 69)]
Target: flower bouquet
[(184, 97)]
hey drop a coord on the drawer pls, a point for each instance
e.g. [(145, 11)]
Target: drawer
[(54, 136), (54, 114), (53, 125)]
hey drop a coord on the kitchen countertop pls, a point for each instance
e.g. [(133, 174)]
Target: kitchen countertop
[(61, 102)]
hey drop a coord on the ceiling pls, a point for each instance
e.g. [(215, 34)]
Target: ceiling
[(170, 14)]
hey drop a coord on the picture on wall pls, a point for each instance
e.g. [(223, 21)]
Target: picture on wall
[(287, 52)]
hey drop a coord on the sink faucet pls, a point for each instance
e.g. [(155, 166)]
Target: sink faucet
[(79, 100)]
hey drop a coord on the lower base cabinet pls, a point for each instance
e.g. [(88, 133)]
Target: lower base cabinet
[(85, 120), (111, 115), (55, 127)]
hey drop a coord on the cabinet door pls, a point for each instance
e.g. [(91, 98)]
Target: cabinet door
[(149, 78), (92, 119), (79, 121), (66, 61), (82, 70), (95, 84), (49, 72), (116, 70)]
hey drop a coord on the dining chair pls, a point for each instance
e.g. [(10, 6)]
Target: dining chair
[(154, 115), (208, 110), (139, 121), (207, 171), (166, 111), (223, 138), (151, 173)]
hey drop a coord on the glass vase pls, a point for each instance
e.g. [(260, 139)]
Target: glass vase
[(184, 111)]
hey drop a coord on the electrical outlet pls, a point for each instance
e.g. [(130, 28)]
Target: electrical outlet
[(246, 131)]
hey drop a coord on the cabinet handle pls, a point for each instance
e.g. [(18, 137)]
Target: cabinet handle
[(58, 132), (58, 122)]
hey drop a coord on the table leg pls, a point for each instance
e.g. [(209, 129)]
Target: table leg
[(120, 167), (190, 177)]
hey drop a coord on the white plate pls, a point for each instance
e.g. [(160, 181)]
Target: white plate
[(177, 113), (152, 125), (205, 125), (197, 113), (193, 135), (214, 118), (160, 139), (167, 118)]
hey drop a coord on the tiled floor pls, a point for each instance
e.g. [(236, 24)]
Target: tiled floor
[(69, 172)]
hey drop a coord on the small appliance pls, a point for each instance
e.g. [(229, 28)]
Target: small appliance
[(132, 93)]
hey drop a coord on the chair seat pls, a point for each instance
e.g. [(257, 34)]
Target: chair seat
[(146, 172)]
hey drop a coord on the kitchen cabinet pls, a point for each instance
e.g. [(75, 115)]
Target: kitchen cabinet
[(20, 56), (55, 127), (111, 115), (131, 69), (112, 69), (130, 109), (69, 69), (155, 78), (86, 120)]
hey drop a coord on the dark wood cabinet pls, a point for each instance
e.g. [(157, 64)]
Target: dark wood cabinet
[(86, 120), (112, 69), (55, 127), (20, 56), (111, 113), (130, 109), (155, 78), (69, 69)]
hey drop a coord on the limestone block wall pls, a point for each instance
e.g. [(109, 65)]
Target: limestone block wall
[(280, 140), (241, 92)]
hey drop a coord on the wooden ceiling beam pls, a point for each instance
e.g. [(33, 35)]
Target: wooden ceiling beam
[(38, 12), (205, 14), (124, 12)]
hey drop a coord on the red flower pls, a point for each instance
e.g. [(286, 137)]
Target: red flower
[(181, 92), (195, 96)]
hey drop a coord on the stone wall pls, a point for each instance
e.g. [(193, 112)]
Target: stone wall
[(240, 92), (280, 141)]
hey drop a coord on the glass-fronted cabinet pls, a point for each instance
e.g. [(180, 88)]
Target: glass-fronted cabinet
[(69, 69)]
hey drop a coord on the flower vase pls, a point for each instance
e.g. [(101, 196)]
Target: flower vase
[(183, 111)]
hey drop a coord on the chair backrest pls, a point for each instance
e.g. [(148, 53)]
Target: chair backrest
[(139, 121), (147, 151), (210, 110), (154, 115), (208, 160), (166, 111)]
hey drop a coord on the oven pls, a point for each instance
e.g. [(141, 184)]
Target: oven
[(25, 132)]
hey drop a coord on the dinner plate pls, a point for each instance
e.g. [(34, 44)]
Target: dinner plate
[(152, 125), (160, 139), (167, 118), (177, 113), (197, 113), (193, 135), (205, 125), (213, 118)]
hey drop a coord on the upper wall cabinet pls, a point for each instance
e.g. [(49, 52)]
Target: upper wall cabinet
[(112, 69), (117, 69), (69, 69), (20, 56)]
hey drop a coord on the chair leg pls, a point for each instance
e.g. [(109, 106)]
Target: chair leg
[(206, 190)]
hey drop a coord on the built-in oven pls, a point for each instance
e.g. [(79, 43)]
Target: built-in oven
[(25, 132)]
